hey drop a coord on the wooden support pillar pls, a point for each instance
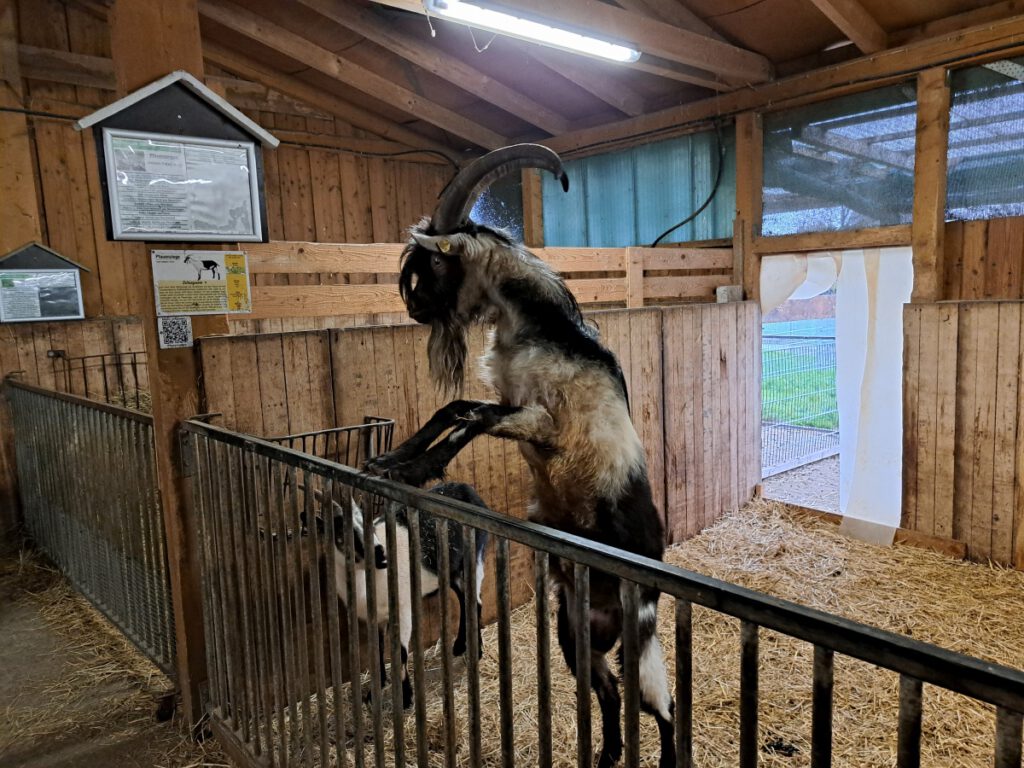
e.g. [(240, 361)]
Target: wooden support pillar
[(533, 209), (929, 224), (749, 178), (149, 39)]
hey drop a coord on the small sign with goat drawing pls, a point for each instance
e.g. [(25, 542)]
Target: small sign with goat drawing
[(201, 282)]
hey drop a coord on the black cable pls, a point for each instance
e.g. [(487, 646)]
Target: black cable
[(38, 113), (711, 196)]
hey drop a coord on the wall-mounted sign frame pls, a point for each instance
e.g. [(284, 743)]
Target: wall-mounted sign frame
[(180, 164), (181, 188), (196, 282), (40, 295)]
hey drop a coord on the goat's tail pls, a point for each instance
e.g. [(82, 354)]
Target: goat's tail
[(654, 689)]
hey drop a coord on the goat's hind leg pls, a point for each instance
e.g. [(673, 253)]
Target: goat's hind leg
[(655, 698), (602, 680)]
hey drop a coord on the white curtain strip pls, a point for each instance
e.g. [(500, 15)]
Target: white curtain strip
[(871, 288)]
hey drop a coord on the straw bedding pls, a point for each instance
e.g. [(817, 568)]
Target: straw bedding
[(961, 606), (105, 690)]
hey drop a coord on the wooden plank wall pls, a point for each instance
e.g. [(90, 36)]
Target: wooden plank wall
[(984, 259), (693, 373), (963, 430)]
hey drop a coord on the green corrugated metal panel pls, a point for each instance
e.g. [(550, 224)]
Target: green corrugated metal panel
[(632, 196)]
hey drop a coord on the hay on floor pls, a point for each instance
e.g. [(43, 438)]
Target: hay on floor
[(962, 606)]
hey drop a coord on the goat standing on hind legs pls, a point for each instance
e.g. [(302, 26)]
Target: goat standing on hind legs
[(562, 396)]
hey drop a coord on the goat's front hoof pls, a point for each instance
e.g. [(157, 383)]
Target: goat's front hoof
[(459, 649)]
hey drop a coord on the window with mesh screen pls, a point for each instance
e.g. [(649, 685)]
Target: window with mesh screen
[(631, 196), (846, 163), (501, 206), (985, 171)]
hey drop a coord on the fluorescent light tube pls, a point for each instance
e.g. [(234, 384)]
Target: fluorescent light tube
[(503, 23)]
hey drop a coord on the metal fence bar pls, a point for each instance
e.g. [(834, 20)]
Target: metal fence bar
[(631, 671), (821, 709), (420, 678), (88, 487), (908, 740), (916, 662), (394, 609), (471, 623)]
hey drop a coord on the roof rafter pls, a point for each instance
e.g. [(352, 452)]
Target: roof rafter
[(856, 23), (672, 12), (343, 70), (364, 22), (592, 80), (250, 69), (648, 34)]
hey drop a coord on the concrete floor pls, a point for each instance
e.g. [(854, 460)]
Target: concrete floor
[(72, 693), (812, 485)]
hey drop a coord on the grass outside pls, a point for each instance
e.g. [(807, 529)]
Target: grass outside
[(799, 387)]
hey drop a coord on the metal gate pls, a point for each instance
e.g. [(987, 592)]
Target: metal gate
[(286, 688), (86, 477)]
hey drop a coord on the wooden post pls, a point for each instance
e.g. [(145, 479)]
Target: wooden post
[(533, 209), (634, 259), (929, 224), (749, 176), (150, 38), (19, 218)]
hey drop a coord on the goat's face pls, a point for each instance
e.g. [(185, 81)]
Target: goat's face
[(431, 278)]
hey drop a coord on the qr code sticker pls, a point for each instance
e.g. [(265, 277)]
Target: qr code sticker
[(175, 332)]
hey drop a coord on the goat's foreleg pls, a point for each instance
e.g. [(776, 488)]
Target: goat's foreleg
[(531, 424), (442, 420)]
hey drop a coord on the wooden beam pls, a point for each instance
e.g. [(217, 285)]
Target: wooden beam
[(929, 222), (66, 67), (148, 39), (648, 34), (365, 22), (672, 12), (855, 22), (1003, 38), (655, 65), (533, 208), (856, 148), (343, 70), (10, 69), (653, 36), (749, 177), (251, 69), (592, 79), (869, 237)]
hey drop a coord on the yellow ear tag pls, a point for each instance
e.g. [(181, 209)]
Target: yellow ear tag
[(444, 245)]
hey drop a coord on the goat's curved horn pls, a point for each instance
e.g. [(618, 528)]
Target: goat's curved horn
[(459, 197)]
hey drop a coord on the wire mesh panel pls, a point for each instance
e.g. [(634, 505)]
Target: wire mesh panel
[(120, 378), (350, 445), (320, 647), (800, 414), (86, 476)]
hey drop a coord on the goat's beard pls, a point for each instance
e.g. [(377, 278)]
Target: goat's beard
[(447, 352)]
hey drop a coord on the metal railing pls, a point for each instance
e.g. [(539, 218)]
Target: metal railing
[(800, 413), (350, 445), (286, 683), (86, 477), (119, 378)]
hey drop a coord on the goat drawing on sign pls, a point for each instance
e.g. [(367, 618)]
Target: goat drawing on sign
[(561, 395), (204, 265)]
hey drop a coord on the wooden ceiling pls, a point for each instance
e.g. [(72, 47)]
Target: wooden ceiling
[(389, 72), (428, 78)]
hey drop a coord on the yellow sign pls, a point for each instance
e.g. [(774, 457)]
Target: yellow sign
[(201, 282)]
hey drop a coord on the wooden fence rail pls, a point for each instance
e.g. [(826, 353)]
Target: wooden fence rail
[(629, 276)]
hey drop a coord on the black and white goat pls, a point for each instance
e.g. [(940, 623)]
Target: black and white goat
[(401, 560), (204, 265), (562, 396)]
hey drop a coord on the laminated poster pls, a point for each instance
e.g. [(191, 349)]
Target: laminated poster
[(40, 294), (201, 282), (181, 188)]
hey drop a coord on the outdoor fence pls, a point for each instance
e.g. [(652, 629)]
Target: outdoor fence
[(800, 415), (285, 690), (86, 476)]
